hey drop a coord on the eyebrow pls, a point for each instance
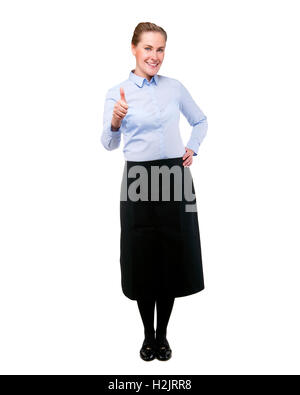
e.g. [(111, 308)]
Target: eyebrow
[(148, 45)]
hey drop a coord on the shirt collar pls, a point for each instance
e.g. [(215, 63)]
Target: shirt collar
[(140, 80)]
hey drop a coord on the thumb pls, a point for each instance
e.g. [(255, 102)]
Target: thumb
[(122, 94)]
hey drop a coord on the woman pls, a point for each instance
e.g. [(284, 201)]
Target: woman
[(160, 253)]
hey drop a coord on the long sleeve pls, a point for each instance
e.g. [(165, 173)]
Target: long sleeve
[(195, 117), (110, 139)]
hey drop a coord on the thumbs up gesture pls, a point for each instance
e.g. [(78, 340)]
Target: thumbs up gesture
[(120, 110)]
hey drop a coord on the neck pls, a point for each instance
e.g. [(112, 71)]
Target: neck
[(148, 77)]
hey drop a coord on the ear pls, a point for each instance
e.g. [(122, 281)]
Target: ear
[(133, 49)]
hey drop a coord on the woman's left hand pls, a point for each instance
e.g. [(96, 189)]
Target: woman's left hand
[(188, 157)]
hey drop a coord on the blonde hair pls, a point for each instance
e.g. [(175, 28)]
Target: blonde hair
[(146, 27)]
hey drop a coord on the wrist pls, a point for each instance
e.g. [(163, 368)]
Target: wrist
[(115, 125), (114, 128)]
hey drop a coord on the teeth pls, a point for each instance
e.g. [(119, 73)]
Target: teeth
[(151, 64)]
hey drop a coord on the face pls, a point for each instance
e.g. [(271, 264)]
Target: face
[(149, 54)]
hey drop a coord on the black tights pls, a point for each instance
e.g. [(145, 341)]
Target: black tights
[(164, 307)]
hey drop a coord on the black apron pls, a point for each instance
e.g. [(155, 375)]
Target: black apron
[(160, 251)]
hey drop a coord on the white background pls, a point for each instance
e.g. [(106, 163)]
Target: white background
[(62, 309)]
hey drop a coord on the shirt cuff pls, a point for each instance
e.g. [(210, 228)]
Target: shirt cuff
[(194, 146), (113, 133)]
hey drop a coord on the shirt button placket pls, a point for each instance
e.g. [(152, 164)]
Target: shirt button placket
[(155, 103)]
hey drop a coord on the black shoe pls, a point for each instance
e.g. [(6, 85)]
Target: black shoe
[(163, 350), (148, 350)]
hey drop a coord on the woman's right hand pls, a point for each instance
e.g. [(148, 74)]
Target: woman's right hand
[(120, 110)]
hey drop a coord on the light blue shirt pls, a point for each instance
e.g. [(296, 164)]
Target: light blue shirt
[(150, 128)]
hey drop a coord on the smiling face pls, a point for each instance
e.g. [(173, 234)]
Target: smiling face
[(149, 54)]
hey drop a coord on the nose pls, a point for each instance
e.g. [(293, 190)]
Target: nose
[(154, 56)]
